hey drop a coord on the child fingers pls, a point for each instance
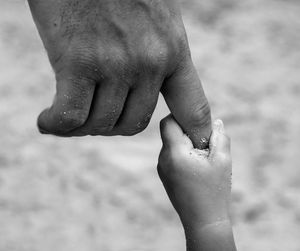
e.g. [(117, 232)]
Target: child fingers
[(172, 134), (219, 141)]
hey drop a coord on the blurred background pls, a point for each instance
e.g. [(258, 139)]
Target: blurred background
[(87, 194)]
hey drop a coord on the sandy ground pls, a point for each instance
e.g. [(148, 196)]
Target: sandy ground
[(102, 193)]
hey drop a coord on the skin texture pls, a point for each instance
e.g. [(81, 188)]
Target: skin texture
[(198, 183), (111, 58)]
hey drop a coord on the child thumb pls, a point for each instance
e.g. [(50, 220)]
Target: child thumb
[(219, 141)]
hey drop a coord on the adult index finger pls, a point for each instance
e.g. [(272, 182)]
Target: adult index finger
[(185, 98)]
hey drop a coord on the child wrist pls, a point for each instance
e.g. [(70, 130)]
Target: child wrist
[(196, 225), (212, 236)]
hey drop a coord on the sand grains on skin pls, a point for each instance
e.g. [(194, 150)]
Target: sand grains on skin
[(77, 194)]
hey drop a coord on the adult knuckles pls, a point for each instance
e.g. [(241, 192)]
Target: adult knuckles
[(115, 60), (91, 56), (83, 62), (155, 56)]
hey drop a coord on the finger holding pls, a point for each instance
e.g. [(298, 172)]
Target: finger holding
[(172, 134), (185, 98)]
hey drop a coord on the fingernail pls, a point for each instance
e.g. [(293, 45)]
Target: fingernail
[(219, 126)]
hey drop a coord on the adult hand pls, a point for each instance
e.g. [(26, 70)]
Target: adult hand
[(111, 59)]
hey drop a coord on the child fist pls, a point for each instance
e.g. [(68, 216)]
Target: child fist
[(198, 182)]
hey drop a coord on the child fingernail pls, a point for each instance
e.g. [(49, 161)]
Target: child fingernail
[(219, 126)]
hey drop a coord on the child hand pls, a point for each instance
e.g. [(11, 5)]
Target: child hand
[(198, 182)]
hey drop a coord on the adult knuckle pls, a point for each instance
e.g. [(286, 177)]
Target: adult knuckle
[(81, 60), (115, 62), (154, 54), (158, 54), (82, 54)]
